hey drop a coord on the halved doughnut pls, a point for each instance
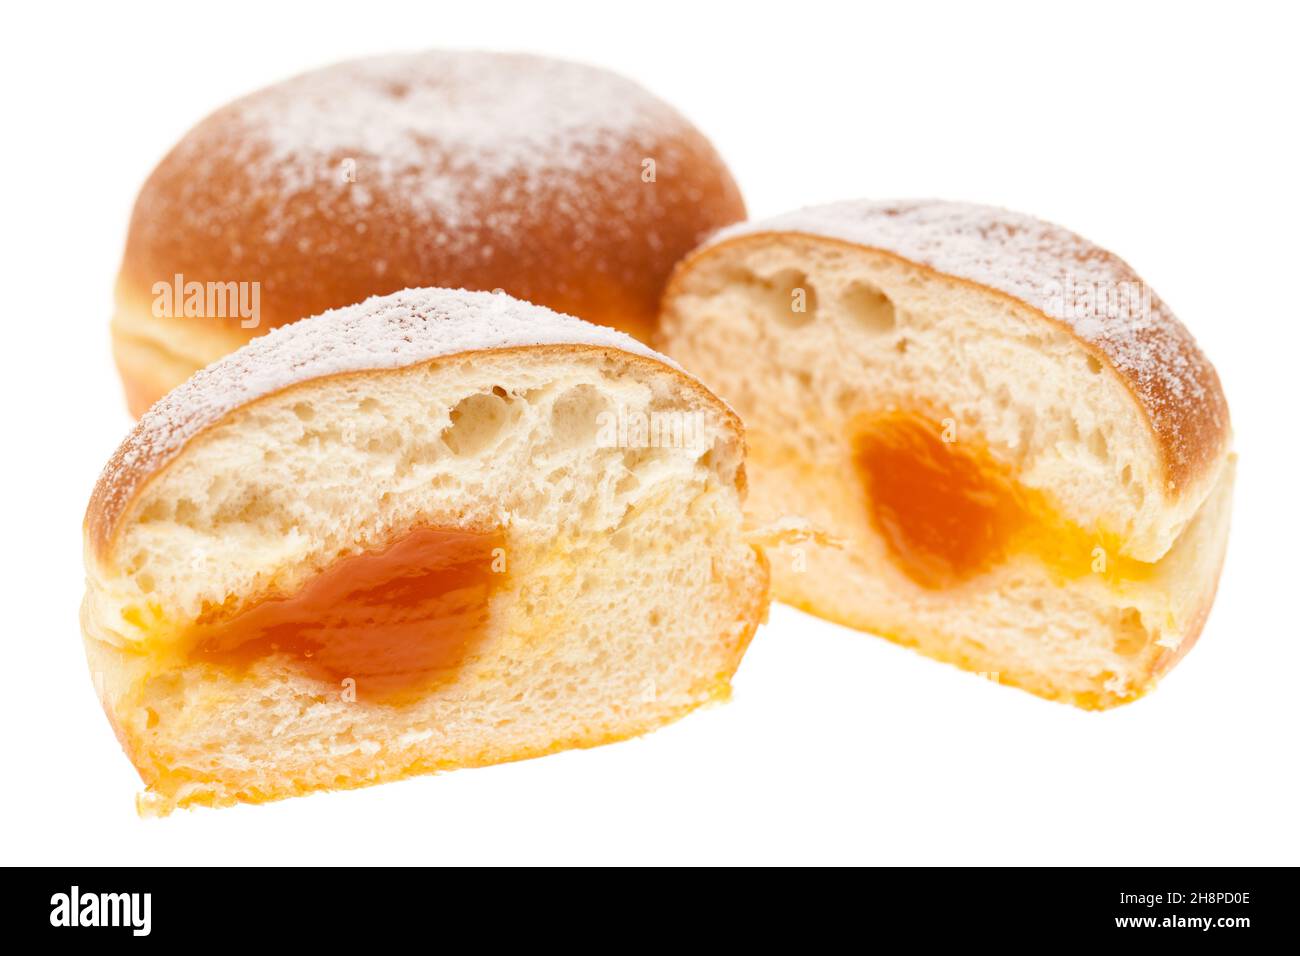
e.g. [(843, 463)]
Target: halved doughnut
[(1025, 453), (434, 530)]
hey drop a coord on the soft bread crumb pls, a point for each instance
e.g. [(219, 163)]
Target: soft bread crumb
[(384, 332), (632, 590), (1039, 264), (813, 323)]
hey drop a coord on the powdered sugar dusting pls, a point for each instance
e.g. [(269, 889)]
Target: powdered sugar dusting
[(1044, 266), (442, 168), (450, 131), (384, 332)]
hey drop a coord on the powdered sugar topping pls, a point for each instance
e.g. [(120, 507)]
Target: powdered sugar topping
[(385, 332), (449, 130), (1095, 293)]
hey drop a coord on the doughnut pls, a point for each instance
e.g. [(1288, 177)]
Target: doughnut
[(437, 529), (559, 183), (1026, 459)]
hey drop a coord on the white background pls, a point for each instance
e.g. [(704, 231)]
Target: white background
[(1164, 132)]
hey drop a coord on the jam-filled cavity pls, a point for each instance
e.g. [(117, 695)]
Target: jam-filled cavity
[(948, 510), (945, 511), (397, 620)]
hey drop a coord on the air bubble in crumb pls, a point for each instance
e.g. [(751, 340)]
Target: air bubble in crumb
[(869, 308)]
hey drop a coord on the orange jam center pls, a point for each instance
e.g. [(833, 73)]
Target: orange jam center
[(945, 511), (949, 511), (396, 620)]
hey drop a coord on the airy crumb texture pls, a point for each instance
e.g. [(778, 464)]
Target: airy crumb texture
[(818, 325), (392, 331), (1040, 264), (629, 591)]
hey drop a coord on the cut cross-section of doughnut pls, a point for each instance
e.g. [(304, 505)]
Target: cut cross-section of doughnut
[(1025, 457), (434, 530)]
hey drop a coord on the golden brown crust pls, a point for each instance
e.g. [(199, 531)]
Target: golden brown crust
[(418, 326), (1056, 273), (140, 393), (464, 170), (155, 357)]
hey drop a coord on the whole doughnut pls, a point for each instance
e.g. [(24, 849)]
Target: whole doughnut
[(559, 183)]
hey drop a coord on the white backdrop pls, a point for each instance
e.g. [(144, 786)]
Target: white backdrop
[(1167, 133)]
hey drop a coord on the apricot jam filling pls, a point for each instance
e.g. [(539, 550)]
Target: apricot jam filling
[(396, 620), (948, 511)]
